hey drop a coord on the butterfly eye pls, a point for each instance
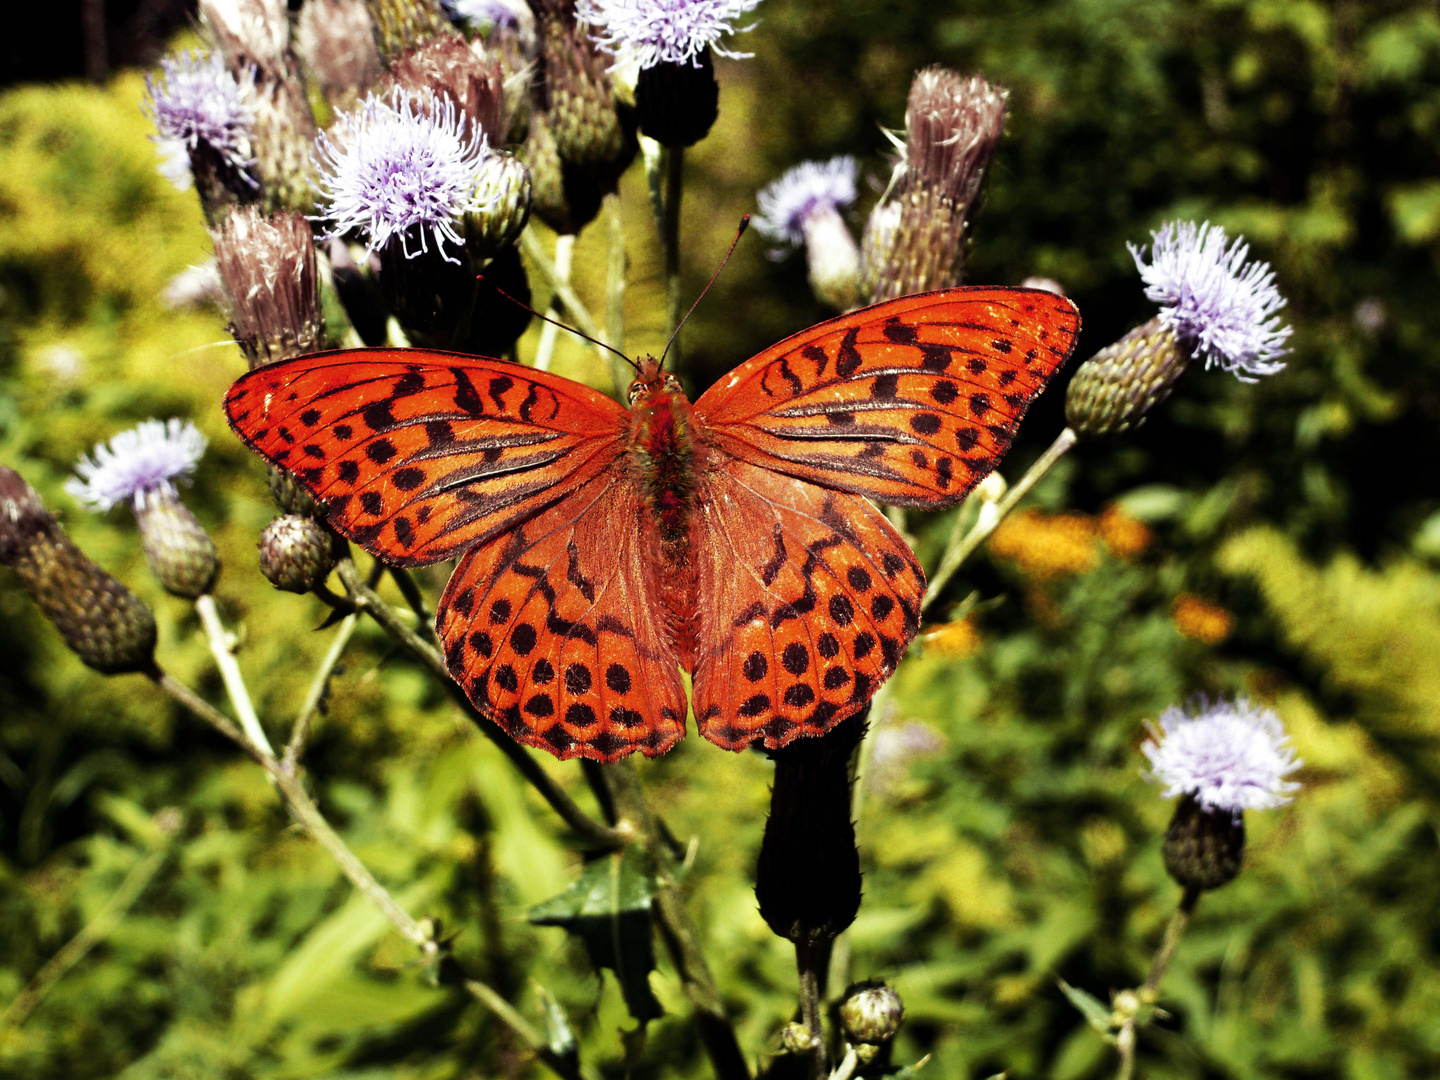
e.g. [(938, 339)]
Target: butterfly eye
[(672, 384), (636, 392)]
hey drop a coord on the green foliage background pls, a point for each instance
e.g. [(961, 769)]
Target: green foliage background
[(1024, 850)]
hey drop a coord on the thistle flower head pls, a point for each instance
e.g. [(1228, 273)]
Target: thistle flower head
[(482, 14), (787, 203), (1227, 756), (407, 168), (1220, 306), (195, 100), (146, 459), (651, 32)]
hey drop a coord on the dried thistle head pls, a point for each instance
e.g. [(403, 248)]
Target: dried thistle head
[(267, 265), (335, 41), (448, 67), (915, 240)]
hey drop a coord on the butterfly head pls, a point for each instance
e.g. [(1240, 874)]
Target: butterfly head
[(649, 379)]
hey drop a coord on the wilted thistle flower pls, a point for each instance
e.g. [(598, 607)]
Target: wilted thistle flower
[(194, 287), (267, 264), (671, 42), (804, 207), (407, 170), (1214, 305), (102, 621), (915, 239), (140, 467), (1223, 760), (198, 105), (449, 67)]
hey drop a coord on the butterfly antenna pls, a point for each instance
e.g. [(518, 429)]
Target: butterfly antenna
[(744, 224), (546, 318)]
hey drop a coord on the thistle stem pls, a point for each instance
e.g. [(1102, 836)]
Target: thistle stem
[(575, 309), (810, 958), (615, 284), (564, 253), (219, 639), (986, 523), (419, 933), (1146, 995), (670, 241), (366, 600)]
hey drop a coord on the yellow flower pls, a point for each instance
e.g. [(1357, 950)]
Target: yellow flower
[(1125, 537), (1200, 619), (1048, 545)]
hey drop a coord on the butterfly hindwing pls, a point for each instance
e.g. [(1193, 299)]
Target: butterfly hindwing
[(418, 455), (912, 401), (808, 599), (555, 630)]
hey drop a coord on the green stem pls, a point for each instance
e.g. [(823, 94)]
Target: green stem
[(90, 935), (219, 640), (986, 523), (1125, 1041), (615, 284), (809, 960), (300, 732), (366, 600)]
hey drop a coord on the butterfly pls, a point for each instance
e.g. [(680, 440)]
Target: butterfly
[(603, 549)]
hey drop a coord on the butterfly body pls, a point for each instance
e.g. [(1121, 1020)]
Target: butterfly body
[(602, 549)]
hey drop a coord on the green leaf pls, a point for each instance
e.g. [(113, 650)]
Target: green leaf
[(1095, 1011), (608, 908)]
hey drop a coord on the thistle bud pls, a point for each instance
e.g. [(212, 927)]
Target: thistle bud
[(871, 1013), (1204, 847), (505, 192), (102, 621), (808, 877), (295, 553), (1115, 389), (401, 25), (177, 547), (268, 268), (916, 238), (563, 197), (335, 42), (289, 496)]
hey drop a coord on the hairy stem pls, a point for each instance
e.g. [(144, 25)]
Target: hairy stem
[(219, 640), (681, 939), (810, 960), (366, 600), (564, 252), (992, 514)]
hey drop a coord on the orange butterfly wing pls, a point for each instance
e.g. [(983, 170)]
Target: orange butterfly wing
[(808, 598), (912, 401), (419, 455), (556, 630)]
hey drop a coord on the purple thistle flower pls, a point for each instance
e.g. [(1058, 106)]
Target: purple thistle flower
[(813, 187), (653, 32), (1218, 305), (196, 100), (1228, 756), (402, 168), (136, 463)]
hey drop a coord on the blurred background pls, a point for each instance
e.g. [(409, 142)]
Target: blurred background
[(1280, 540)]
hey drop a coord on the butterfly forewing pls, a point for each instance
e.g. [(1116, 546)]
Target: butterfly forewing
[(420, 455), (808, 599), (911, 402), (556, 631)]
